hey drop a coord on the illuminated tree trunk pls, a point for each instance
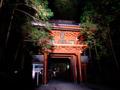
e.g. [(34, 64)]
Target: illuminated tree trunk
[(1, 3)]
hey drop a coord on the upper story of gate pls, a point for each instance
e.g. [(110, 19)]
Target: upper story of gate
[(65, 36), (65, 32)]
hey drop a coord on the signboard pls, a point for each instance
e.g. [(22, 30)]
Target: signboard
[(37, 67), (38, 58), (84, 59)]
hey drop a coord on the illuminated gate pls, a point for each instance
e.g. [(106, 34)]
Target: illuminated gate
[(66, 45)]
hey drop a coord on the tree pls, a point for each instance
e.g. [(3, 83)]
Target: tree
[(102, 13), (41, 6), (15, 56), (89, 29), (108, 11), (66, 9), (39, 35)]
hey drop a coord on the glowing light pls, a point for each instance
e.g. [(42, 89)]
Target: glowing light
[(68, 66)]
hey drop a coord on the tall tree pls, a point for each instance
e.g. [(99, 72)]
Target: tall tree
[(102, 13), (40, 34), (15, 59)]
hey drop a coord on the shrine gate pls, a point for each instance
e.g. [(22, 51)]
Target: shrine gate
[(65, 44)]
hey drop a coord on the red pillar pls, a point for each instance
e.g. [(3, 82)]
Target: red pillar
[(79, 67), (45, 68), (75, 68), (84, 71)]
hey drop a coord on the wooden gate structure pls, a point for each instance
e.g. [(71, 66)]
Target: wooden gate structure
[(65, 44)]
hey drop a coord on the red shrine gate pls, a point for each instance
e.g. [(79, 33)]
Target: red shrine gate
[(66, 45)]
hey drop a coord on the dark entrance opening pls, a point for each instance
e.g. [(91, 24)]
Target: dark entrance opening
[(59, 69)]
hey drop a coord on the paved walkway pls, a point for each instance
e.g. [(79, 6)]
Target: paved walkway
[(58, 85)]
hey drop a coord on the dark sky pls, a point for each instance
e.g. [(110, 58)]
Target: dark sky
[(73, 13)]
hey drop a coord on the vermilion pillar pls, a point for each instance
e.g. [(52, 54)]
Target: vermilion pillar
[(79, 66), (45, 68), (84, 65), (75, 68)]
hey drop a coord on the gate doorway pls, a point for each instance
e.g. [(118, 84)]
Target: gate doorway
[(60, 69)]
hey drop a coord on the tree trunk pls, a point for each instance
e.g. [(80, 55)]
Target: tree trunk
[(9, 27), (112, 48), (97, 56), (1, 3)]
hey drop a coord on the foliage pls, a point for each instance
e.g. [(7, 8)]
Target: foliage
[(66, 8), (91, 31), (99, 13), (107, 9), (87, 24), (39, 35), (41, 6), (87, 33)]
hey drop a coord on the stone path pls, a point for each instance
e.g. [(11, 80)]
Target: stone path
[(59, 85)]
